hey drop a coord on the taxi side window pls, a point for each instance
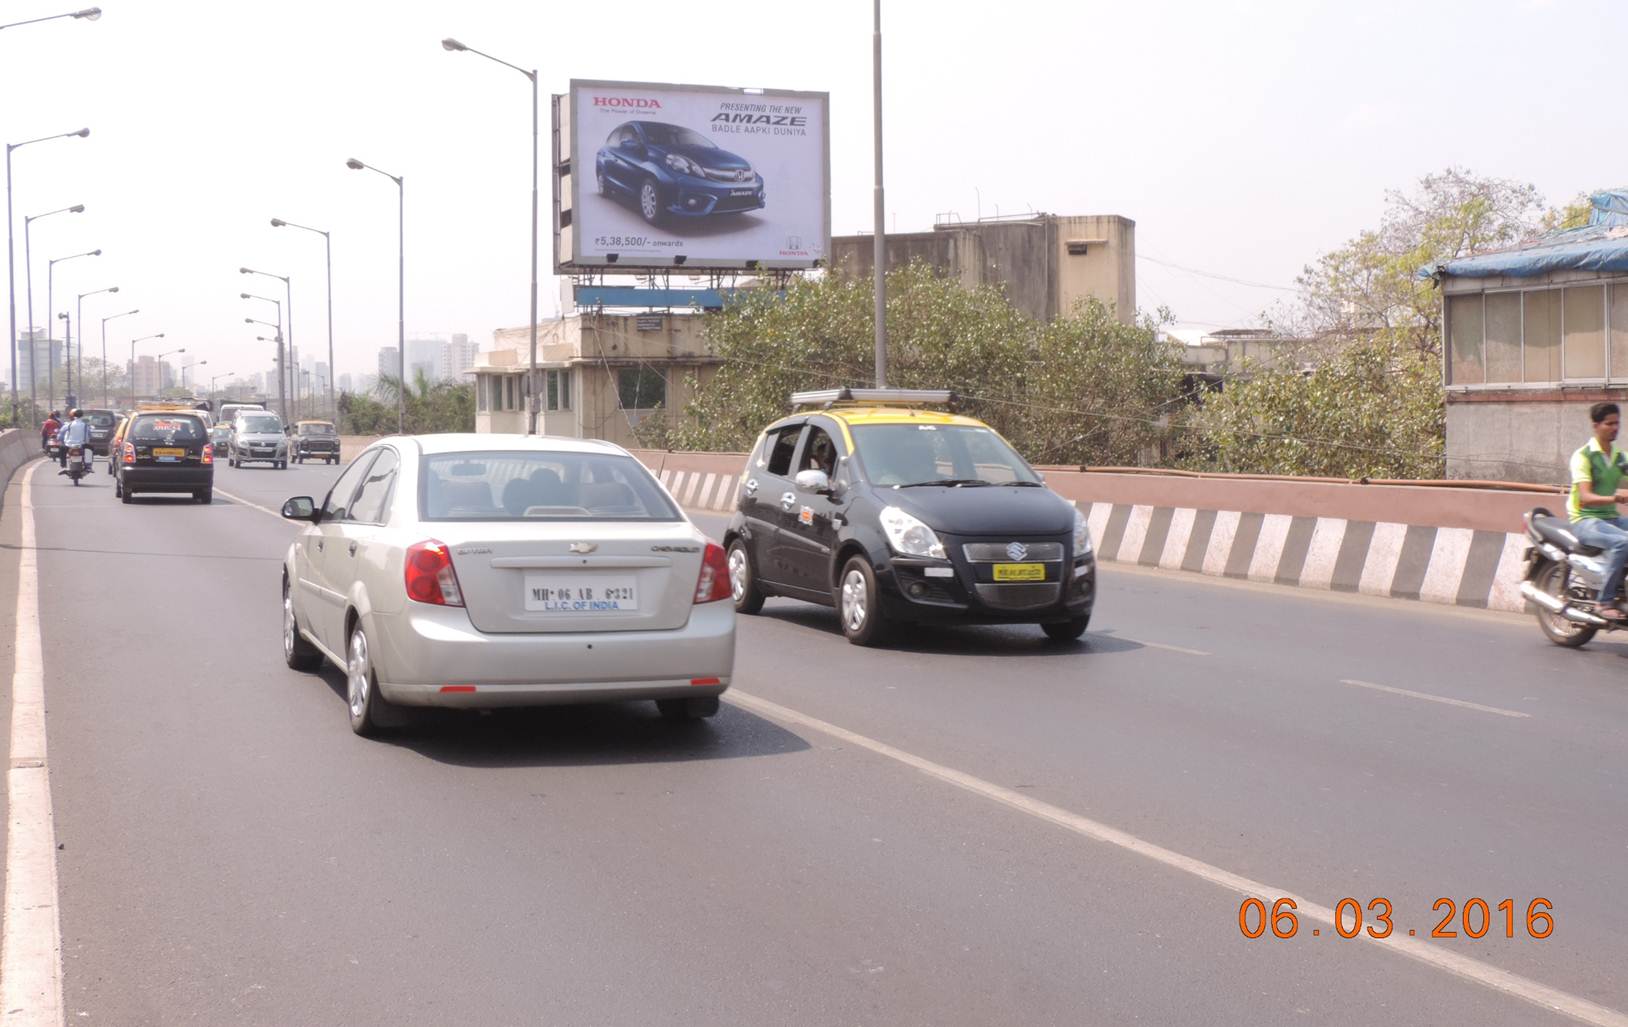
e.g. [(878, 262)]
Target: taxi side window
[(368, 506), (337, 506), (819, 452), (780, 447)]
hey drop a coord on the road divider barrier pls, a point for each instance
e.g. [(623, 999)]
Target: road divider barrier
[(16, 448)]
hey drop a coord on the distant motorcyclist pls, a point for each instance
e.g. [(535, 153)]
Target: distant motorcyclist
[(77, 433), (1597, 472), (51, 426)]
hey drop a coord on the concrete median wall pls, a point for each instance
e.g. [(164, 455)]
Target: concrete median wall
[(1439, 544), (17, 447)]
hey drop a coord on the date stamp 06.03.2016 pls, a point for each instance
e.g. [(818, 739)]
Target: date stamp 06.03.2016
[(1476, 918)]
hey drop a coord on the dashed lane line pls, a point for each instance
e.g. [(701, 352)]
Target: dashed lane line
[(1445, 960), (1427, 697)]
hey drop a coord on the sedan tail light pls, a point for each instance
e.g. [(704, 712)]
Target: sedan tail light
[(429, 575), (713, 584)]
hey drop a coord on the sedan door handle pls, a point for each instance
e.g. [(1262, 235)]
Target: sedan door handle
[(788, 500), (353, 549), (751, 486), (319, 545)]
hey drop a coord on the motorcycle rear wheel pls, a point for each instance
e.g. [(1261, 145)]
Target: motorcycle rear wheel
[(1560, 631)]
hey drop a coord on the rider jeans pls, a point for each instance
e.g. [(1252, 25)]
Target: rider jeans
[(1610, 535)]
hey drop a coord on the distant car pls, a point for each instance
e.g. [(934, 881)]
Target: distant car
[(258, 437), (220, 436), (101, 423), (506, 570), (671, 170), (115, 443), (892, 512), (165, 451), (316, 440)]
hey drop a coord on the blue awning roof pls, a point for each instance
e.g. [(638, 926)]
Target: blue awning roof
[(1601, 245)]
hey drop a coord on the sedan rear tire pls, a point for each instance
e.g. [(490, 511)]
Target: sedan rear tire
[(698, 708), (368, 709)]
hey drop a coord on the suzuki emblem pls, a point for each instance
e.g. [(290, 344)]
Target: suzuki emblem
[(583, 547), (1016, 550)]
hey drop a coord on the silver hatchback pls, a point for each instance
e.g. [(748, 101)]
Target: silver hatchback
[(506, 570)]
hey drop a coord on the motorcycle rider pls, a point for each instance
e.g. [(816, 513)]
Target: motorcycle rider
[(1597, 472), (51, 426), (77, 433)]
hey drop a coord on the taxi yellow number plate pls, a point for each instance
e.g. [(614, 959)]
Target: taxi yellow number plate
[(1020, 572), (174, 454)]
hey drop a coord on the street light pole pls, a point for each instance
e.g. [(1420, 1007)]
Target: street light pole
[(401, 290), (282, 376), (328, 249), (288, 291), (107, 397), (67, 347), (88, 14), (28, 277), (879, 233), (79, 315), (532, 398), (67, 342)]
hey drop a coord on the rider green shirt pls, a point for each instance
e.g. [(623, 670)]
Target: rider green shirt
[(1592, 466)]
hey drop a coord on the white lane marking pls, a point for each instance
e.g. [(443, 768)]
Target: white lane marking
[(1221, 539), (1152, 645), (31, 943), (1175, 543), (1323, 553), (1263, 566), (1445, 571), (1384, 553), (1434, 698), (1437, 958), (268, 511)]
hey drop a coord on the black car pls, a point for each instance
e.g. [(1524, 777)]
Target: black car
[(316, 440), (102, 423), (897, 513), (166, 451)]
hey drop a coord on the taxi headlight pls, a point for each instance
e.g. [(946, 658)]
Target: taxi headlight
[(908, 535), (1082, 535)]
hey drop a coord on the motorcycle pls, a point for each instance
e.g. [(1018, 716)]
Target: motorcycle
[(78, 463), (1563, 579)]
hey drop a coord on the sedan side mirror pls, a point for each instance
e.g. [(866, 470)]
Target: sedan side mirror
[(813, 480), (301, 508)]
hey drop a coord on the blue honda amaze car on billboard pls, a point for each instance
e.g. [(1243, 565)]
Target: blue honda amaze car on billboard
[(669, 170)]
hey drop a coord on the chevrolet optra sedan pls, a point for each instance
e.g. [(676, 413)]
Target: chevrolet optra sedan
[(505, 570)]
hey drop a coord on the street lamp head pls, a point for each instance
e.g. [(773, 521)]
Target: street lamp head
[(243, 295), (244, 271), (113, 289), (278, 222), (248, 321), (89, 13), (96, 253), (452, 44), (62, 316), (78, 208), (354, 164), (84, 133)]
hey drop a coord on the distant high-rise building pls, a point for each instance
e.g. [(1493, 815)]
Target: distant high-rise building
[(458, 357), (147, 379), (389, 358), (344, 384), (424, 354)]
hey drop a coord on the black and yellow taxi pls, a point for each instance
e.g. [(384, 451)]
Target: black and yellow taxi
[(887, 506), (165, 451)]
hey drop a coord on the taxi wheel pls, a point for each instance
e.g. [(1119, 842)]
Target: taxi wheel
[(1066, 630), (205, 496), (298, 653), (368, 709), (126, 495), (742, 582), (857, 605)]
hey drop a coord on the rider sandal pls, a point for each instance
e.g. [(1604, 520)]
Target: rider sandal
[(1611, 613)]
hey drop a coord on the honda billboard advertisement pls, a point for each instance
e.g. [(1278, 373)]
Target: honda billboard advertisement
[(697, 178)]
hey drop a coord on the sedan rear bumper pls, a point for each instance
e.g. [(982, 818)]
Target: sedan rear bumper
[(421, 651)]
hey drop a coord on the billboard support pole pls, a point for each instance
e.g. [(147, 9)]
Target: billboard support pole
[(879, 234)]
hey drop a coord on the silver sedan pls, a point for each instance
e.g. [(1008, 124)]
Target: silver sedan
[(506, 570)]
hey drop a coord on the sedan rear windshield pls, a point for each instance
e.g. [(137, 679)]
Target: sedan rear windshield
[(265, 423), (531, 486), (165, 428), (100, 418)]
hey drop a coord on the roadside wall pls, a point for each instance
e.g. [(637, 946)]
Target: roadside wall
[(17, 447), (1439, 544)]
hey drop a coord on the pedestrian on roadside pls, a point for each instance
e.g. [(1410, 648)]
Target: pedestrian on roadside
[(1597, 471)]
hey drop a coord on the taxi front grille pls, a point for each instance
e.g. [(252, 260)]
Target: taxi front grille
[(1019, 596), (997, 552)]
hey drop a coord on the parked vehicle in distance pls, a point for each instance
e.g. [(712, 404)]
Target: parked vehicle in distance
[(166, 451), (671, 170), (258, 437), (220, 436), (505, 570), (316, 440), (890, 511)]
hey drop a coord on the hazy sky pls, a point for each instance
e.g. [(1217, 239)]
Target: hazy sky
[(1243, 138)]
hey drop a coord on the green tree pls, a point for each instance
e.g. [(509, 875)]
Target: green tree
[(1084, 389), (429, 407)]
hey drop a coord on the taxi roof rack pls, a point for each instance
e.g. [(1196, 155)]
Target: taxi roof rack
[(891, 397)]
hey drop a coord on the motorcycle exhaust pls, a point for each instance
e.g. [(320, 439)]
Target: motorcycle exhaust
[(1577, 616), (1538, 597)]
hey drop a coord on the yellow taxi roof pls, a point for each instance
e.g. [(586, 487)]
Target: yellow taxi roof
[(899, 415)]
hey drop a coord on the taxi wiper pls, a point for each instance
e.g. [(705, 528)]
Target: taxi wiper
[(948, 481), (1025, 484)]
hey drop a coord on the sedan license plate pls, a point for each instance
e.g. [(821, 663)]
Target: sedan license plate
[(581, 593), (1020, 572), (169, 455)]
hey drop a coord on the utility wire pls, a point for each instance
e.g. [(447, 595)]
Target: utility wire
[(1217, 277)]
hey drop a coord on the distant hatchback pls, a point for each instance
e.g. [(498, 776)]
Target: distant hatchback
[(165, 451), (506, 570), (671, 170)]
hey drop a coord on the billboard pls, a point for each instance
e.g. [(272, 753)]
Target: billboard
[(689, 178)]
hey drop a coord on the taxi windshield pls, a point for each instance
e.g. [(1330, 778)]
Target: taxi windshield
[(930, 454)]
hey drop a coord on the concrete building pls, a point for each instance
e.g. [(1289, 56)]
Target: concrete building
[(1531, 338), (146, 377), (36, 357), (458, 358), (388, 357), (599, 375), (344, 383), (1046, 263)]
